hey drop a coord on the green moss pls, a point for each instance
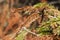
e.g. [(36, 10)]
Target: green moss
[(57, 31), (21, 35)]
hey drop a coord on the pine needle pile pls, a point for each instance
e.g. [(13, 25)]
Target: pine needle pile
[(37, 22)]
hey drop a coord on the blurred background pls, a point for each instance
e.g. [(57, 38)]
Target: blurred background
[(29, 2), (21, 3)]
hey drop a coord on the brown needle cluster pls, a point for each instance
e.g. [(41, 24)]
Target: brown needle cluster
[(15, 20)]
